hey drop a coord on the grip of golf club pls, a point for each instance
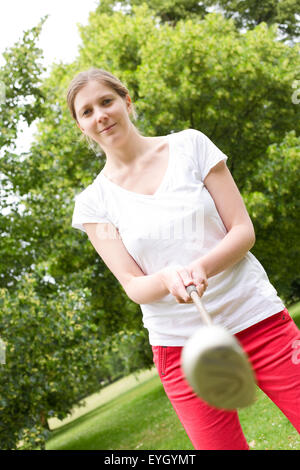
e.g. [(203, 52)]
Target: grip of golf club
[(192, 291)]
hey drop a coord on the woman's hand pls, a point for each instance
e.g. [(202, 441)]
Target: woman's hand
[(177, 278)]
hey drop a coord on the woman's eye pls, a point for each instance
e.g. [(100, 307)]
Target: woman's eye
[(104, 102)]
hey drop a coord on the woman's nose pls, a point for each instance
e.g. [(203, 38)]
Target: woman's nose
[(100, 114)]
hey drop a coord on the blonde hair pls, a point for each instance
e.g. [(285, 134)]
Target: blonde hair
[(101, 76)]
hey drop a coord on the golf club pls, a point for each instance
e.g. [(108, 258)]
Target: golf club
[(215, 365)]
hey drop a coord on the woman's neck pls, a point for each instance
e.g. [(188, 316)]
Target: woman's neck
[(128, 153)]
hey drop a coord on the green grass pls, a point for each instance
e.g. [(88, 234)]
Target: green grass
[(294, 310), (142, 417)]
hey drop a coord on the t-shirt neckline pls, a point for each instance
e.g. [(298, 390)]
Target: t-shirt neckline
[(160, 187)]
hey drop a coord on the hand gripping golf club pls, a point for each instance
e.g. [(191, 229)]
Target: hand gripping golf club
[(215, 365)]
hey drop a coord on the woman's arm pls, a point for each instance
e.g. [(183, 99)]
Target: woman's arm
[(231, 208), (144, 289), (140, 288)]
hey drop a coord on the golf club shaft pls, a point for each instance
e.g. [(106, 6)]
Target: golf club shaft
[(192, 291)]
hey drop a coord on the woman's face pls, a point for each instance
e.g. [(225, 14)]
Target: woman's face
[(101, 113)]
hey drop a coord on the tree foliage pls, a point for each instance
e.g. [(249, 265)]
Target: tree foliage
[(272, 197), (22, 78), (246, 13), (52, 344), (250, 13), (24, 102)]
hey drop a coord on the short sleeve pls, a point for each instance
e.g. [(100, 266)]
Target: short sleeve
[(88, 208), (205, 153)]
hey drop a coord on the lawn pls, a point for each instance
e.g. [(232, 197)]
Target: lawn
[(136, 414)]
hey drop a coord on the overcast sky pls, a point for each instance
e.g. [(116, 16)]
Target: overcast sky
[(59, 38)]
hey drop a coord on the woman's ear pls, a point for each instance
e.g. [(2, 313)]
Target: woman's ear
[(128, 102), (82, 130)]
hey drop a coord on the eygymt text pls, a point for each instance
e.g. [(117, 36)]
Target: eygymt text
[(151, 459)]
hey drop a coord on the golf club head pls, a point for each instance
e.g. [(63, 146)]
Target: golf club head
[(217, 369)]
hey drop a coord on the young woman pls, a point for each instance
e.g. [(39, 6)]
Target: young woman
[(165, 213)]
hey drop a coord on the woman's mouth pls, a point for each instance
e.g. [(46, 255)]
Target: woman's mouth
[(107, 128)]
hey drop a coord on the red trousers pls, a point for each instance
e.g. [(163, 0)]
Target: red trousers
[(273, 348)]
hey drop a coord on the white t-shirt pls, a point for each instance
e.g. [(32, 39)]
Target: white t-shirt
[(177, 225)]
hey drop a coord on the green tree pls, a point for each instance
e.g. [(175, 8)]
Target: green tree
[(273, 196), (250, 13), (52, 345), (169, 11), (21, 76), (24, 101), (246, 13)]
